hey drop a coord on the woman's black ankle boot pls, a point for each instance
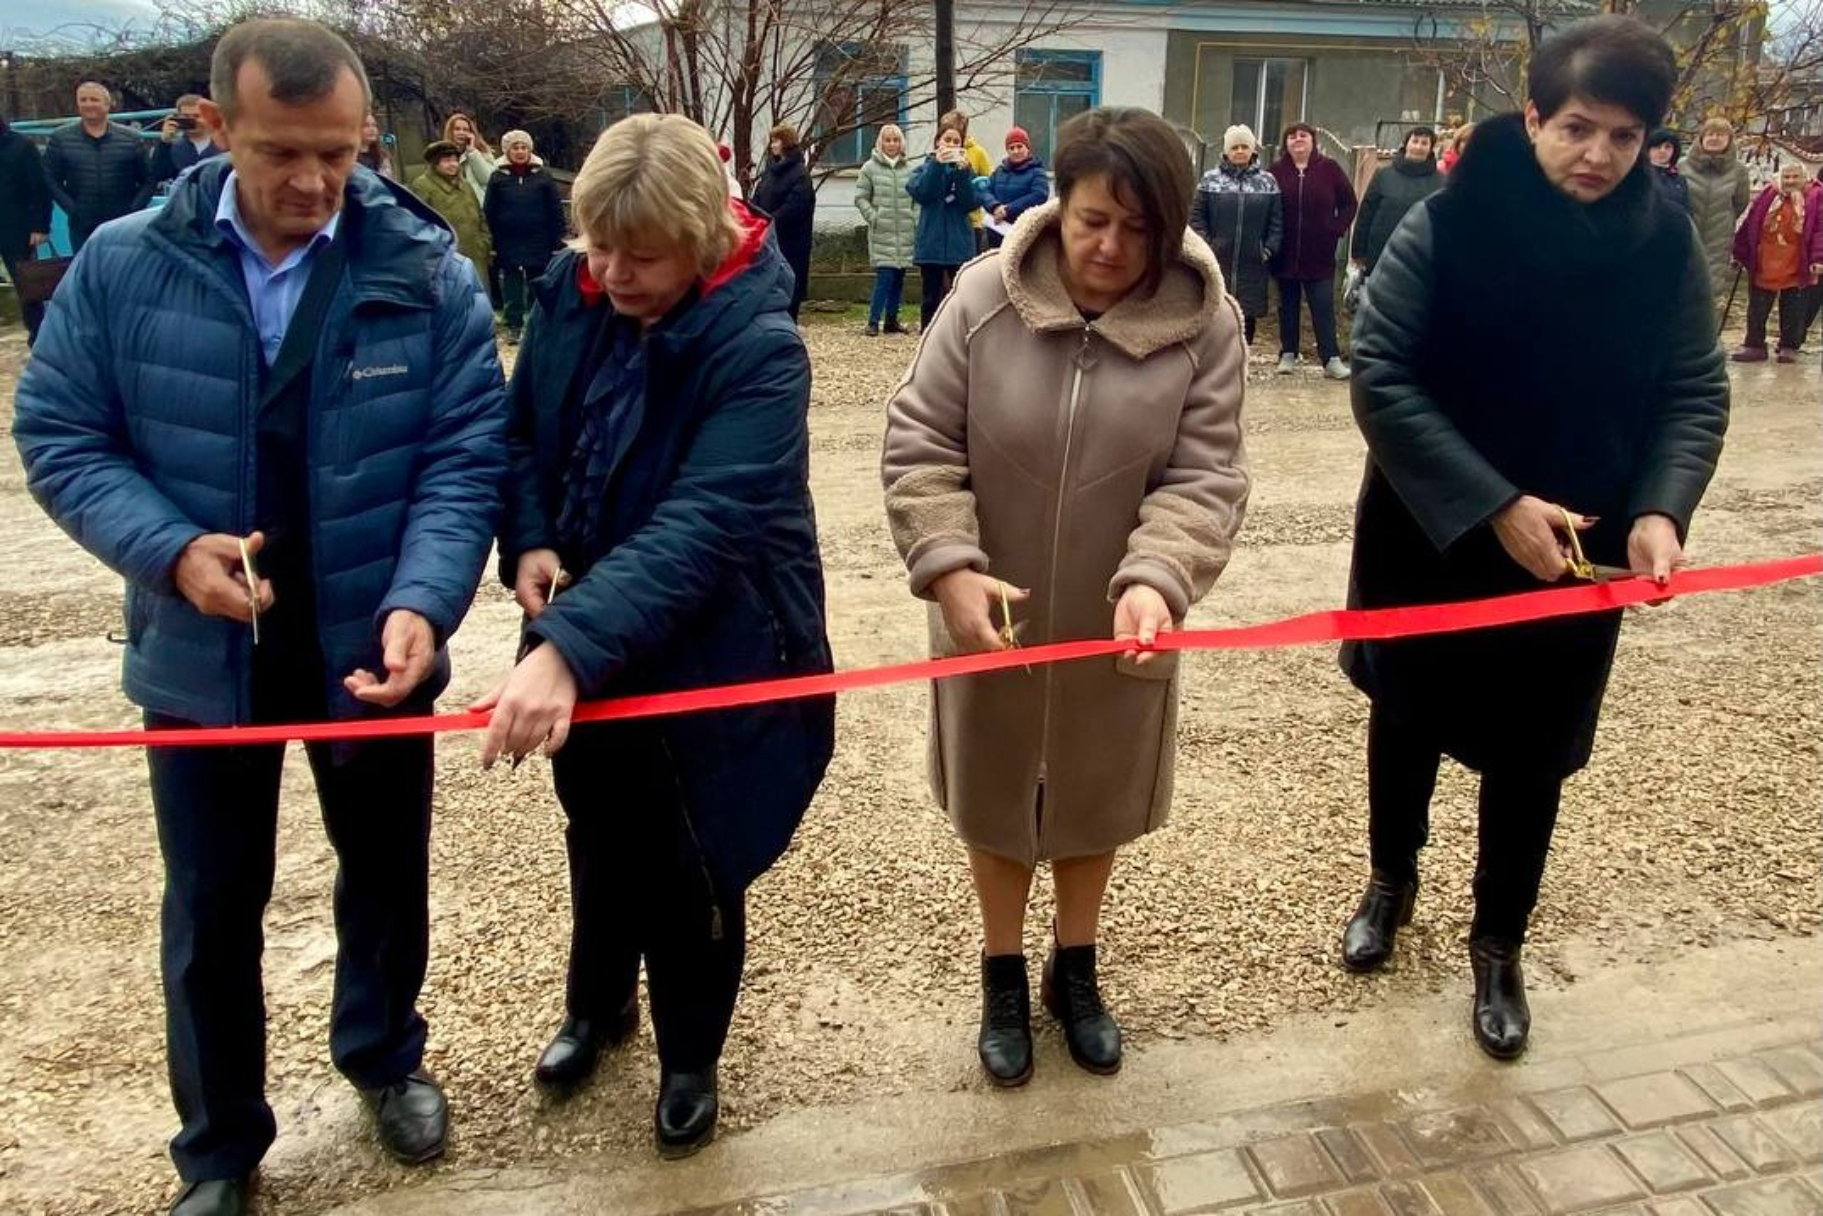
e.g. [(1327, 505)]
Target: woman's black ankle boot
[(1502, 1019), (1367, 942), (1005, 1045), (1069, 990)]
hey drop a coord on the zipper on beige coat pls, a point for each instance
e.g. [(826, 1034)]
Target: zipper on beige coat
[(1082, 362)]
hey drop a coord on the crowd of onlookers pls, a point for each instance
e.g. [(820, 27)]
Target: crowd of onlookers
[(1275, 226)]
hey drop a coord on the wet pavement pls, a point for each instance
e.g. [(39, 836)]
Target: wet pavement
[(1691, 1088)]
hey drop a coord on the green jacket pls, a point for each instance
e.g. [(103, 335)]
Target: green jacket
[(891, 215), (455, 202)]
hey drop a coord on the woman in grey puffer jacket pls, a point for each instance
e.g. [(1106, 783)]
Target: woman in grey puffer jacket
[(1238, 210), (1719, 193), (892, 226)]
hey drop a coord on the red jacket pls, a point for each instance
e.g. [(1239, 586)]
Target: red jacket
[(1752, 228), (1319, 206)]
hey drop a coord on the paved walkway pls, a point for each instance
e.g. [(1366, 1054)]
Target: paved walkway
[(1740, 1135), (1689, 1087)]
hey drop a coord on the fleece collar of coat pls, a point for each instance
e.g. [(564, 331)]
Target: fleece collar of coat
[(1031, 266), (395, 240), (1499, 179)]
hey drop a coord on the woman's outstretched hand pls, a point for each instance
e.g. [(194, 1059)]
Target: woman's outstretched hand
[(532, 708), (969, 600), (1530, 530), (1140, 616)]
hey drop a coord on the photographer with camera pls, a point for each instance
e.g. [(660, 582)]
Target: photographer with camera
[(182, 140)]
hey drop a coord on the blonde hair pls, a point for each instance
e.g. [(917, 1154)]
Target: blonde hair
[(449, 125), (894, 129), (655, 177)]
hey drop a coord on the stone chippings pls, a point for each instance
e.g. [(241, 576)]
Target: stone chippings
[(1696, 825)]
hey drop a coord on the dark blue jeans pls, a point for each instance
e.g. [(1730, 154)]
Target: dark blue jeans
[(889, 290), (217, 812), (1321, 295)]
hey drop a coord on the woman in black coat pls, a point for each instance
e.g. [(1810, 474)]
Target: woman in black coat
[(785, 193), (1238, 210), (25, 211), (1411, 178), (1536, 362), (525, 217), (658, 534)]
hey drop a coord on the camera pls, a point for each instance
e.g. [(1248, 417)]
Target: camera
[(184, 122)]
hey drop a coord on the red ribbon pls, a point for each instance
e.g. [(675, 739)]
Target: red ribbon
[(1336, 625)]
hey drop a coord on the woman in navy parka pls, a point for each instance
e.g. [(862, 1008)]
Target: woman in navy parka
[(659, 535)]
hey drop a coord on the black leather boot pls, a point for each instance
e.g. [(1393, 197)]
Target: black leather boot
[(570, 1057), (1502, 1020), (1005, 1045), (1367, 942), (215, 1197), (1070, 992), (684, 1119)]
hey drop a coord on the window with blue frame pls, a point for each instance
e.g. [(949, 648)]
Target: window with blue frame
[(1051, 87), (860, 88)]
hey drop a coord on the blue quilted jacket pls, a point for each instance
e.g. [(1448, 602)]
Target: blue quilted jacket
[(135, 421)]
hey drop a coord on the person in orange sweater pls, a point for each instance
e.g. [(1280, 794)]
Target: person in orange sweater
[(1780, 244)]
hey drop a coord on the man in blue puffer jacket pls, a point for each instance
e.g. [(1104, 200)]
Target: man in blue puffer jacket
[(289, 362)]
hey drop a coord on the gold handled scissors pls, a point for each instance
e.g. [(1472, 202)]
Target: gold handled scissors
[(1009, 628), (1580, 566), (252, 576)]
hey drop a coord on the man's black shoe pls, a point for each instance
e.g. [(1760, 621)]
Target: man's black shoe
[(684, 1119), (412, 1117), (214, 1197)]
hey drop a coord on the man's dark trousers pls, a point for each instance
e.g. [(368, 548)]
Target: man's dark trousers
[(217, 811)]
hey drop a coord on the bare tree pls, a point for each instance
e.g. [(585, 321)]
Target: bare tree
[(1483, 53), (827, 67)]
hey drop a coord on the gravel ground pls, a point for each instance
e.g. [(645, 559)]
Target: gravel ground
[(1697, 824)]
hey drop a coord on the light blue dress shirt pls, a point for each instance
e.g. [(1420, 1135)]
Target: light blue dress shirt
[(274, 291)]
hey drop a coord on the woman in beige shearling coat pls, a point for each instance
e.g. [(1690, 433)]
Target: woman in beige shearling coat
[(1068, 443)]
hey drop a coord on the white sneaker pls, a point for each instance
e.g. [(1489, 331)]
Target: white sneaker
[(1335, 369), (1287, 364)]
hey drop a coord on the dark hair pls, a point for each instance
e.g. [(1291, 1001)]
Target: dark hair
[(303, 61), (786, 134), (1148, 170), (1618, 60), (1416, 133)]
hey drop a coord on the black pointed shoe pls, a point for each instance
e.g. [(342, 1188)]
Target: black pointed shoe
[(570, 1057), (1005, 1043), (1502, 1019), (1070, 992), (214, 1197), (1367, 942), (411, 1116), (684, 1119)]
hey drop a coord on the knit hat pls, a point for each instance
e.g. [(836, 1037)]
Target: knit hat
[(1018, 136), (725, 152), (1239, 133), (515, 137), (1665, 135), (437, 149)]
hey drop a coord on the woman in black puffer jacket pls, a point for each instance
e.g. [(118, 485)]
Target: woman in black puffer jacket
[(1239, 211)]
